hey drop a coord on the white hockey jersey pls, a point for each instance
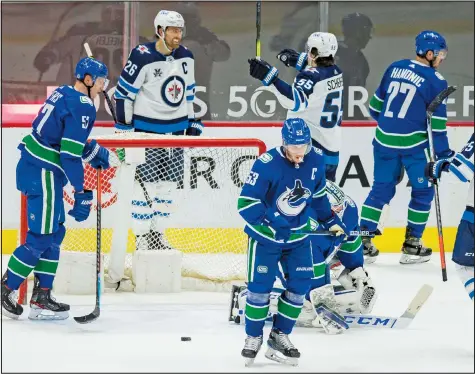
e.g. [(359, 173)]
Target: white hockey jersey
[(155, 93), (316, 96)]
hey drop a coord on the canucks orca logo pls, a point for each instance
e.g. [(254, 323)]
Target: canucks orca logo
[(293, 201)]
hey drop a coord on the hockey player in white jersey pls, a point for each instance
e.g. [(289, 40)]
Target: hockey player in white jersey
[(462, 167), (155, 94), (315, 95)]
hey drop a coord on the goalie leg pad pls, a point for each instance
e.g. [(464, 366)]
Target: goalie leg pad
[(332, 322)]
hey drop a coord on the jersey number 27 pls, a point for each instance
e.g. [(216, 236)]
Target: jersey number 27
[(394, 89)]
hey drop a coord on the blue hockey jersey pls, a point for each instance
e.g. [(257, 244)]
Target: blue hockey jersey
[(400, 103), (276, 185), (60, 131), (155, 93)]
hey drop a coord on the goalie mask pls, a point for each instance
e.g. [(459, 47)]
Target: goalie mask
[(337, 198)]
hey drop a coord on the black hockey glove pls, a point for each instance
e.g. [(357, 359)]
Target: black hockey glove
[(195, 127), (292, 58), (261, 70)]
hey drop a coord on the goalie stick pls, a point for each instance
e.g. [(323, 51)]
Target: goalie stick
[(364, 320), (97, 309), (430, 111), (332, 233)]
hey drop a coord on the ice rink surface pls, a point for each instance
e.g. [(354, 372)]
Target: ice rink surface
[(141, 333)]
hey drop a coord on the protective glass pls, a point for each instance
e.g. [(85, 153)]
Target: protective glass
[(298, 148), (102, 81), (441, 54)]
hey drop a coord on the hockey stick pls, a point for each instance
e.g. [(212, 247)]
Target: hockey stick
[(97, 310), (430, 111), (114, 116), (385, 322), (258, 29), (332, 233)]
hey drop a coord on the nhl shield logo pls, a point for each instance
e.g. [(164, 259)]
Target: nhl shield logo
[(293, 201)]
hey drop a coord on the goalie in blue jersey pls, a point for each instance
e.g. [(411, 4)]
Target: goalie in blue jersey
[(285, 187), (51, 156), (401, 141)]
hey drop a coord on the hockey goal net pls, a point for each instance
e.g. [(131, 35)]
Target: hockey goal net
[(165, 192)]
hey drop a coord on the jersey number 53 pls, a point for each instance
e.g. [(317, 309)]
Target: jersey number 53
[(252, 178)]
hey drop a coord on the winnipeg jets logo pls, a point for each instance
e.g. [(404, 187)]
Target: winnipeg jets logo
[(293, 201), (157, 73), (173, 90), (143, 49)]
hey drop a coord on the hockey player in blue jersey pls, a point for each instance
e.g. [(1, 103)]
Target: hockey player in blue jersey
[(155, 94), (51, 156), (463, 255), (315, 95), (285, 185), (399, 106), (353, 292)]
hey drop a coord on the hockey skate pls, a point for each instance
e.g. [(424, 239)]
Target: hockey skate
[(10, 307), (44, 307), (370, 252), (413, 251), (251, 349), (280, 349)]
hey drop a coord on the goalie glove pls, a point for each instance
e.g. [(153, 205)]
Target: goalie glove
[(358, 279)]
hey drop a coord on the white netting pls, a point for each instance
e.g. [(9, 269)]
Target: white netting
[(183, 197)]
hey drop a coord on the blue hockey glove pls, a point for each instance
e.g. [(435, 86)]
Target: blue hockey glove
[(261, 70), (97, 156), (195, 127), (279, 224), (292, 58), (82, 205), (335, 225), (433, 170)]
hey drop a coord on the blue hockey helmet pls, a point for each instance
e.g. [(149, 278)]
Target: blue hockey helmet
[(296, 132), (92, 67), (429, 40)]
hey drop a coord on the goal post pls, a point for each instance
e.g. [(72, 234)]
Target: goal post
[(169, 193)]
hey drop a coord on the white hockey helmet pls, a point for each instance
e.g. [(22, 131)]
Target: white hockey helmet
[(325, 43), (167, 18)]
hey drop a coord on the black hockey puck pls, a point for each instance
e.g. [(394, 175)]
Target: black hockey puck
[(185, 339)]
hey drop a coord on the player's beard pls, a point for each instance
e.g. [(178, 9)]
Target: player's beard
[(173, 42)]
